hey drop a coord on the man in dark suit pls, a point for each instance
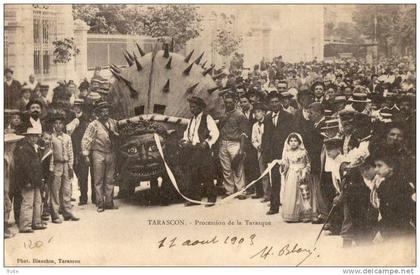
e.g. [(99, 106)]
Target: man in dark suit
[(277, 126), (31, 119), (29, 178), (11, 90), (251, 160)]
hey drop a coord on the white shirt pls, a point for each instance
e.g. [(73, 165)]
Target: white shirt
[(36, 123), (191, 133), (256, 138), (335, 172), (275, 118)]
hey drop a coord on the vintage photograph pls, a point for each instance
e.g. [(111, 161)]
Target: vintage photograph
[(209, 135)]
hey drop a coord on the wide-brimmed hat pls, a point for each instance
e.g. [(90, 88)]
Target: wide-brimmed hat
[(33, 131), (197, 100), (12, 137), (11, 112), (330, 124), (340, 99), (359, 97)]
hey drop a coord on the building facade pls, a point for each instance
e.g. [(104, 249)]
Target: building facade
[(29, 33)]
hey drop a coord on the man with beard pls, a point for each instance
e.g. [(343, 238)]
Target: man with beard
[(99, 139), (32, 118)]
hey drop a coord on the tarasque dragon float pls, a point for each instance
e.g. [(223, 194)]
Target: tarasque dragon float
[(150, 97)]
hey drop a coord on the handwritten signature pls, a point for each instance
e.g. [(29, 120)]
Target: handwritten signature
[(286, 250), (35, 244)]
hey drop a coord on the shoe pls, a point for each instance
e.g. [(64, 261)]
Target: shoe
[(241, 197), (82, 203), (317, 221), (188, 203), (58, 220), (256, 197), (163, 203), (210, 205), (71, 218), (265, 200), (272, 212), (45, 218), (26, 231), (100, 209), (111, 207), (39, 227)]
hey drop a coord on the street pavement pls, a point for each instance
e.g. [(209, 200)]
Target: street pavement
[(143, 235)]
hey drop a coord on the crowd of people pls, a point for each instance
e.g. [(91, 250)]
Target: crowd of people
[(338, 138)]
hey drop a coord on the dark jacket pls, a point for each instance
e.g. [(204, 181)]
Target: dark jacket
[(312, 139), (274, 137), (396, 206), (11, 94), (28, 165)]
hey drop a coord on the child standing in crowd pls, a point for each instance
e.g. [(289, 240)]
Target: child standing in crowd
[(263, 188), (394, 196), (297, 168)]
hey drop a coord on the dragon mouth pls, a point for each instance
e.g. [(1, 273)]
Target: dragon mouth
[(145, 171)]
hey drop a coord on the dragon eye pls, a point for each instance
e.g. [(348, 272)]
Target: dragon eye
[(153, 148), (132, 150)]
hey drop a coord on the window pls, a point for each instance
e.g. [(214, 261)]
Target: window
[(159, 109), (45, 32), (139, 110)]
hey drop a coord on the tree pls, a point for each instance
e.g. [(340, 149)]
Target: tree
[(180, 22), (387, 19), (64, 50), (227, 41)]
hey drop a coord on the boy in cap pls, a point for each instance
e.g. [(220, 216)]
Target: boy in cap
[(263, 188), (62, 166)]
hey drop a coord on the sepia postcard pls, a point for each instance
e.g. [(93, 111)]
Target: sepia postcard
[(210, 135)]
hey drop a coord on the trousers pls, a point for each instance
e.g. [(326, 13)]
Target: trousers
[(103, 169), (60, 195), (275, 188), (265, 181), (81, 169), (31, 208), (231, 179)]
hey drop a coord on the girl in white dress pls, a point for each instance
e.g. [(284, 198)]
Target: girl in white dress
[(296, 169)]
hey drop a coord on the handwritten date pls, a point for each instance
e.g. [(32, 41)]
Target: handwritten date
[(228, 240)]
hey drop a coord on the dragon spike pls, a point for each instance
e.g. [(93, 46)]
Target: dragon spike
[(187, 59), (208, 71), (115, 68), (197, 61), (191, 89), (166, 87), (168, 65), (166, 50), (142, 53), (138, 65), (129, 55), (115, 74), (129, 60), (204, 64), (188, 69), (210, 91)]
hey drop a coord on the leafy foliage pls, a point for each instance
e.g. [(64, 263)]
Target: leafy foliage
[(180, 22), (64, 50), (226, 42)]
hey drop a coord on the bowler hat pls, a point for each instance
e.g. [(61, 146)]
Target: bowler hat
[(359, 97), (340, 99), (334, 142), (32, 102), (197, 100), (102, 105)]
